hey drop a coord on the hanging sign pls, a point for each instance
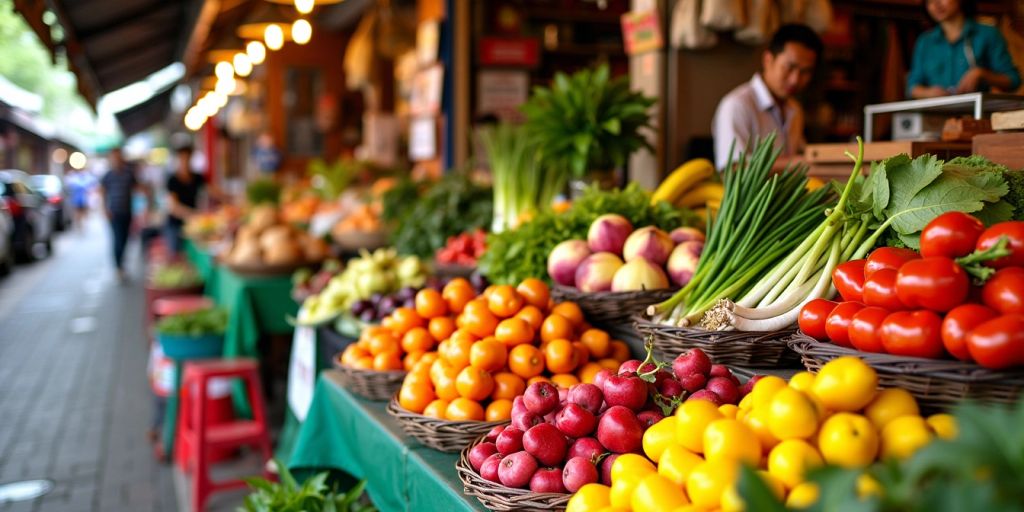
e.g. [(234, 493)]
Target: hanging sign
[(641, 32)]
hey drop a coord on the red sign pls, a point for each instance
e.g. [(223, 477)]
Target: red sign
[(509, 51)]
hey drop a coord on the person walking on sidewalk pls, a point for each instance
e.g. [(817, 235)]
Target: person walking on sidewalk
[(117, 187)]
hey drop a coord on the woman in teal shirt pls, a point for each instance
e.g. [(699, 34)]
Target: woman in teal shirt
[(960, 55)]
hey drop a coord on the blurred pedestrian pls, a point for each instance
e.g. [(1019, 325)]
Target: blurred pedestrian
[(79, 184), (117, 188), (183, 188)]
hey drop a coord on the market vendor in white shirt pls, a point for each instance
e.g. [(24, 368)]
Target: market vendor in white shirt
[(766, 104)]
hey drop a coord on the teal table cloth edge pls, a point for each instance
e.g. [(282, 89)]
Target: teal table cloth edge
[(357, 436)]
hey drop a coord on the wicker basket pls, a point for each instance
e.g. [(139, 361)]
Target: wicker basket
[(936, 383), (495, 496), (733, 348), (610, 308), (370, 384), (441, 435)]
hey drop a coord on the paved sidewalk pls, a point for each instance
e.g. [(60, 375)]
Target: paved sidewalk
[(75, 403)]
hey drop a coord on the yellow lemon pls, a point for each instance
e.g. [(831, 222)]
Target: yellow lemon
[(890, 404), (746, 402), (730, 439), (764, 389), (728, 410), (848, 440), (631, 465), (790, 460), (792, 415), (676, 463), (621, 494), (658, 437), (692, 418), (773, 484), (944, 425), (757, 420), (846, 384), (903, 436), (589, 498), (803, 381), (803, 496), (731, 500), (868, 486), (656, 493), (708, 481)]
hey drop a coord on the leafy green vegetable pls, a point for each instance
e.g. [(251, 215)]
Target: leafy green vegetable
[(314, 495), (452, 205), (907, 194), (205, 322), (174, 275), (587, 121), (522, 187), (514, 255), (331, 179), (399, 200), (263, 190)]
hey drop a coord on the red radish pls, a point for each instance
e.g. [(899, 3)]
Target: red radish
[(588, 396), (577, 473), (725, 388), (546, 443), (625, 390), (575, 421), (489, 469), (691, 362), (619, 430), (479, 453), (547, 480), (587, 447), (708, 395), (649, 418), (541, 398), (509, 441), (517, 469)]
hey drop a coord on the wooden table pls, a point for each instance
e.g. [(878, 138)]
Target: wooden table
[(830, 161)]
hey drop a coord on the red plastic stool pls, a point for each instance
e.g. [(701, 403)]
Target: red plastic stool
[(179, 304), (203, 437), (220, 409)]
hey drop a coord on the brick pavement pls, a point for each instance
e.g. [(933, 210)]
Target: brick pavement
[(74, 400)]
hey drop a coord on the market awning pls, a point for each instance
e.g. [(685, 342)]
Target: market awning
[(145, 114), (112, 44)]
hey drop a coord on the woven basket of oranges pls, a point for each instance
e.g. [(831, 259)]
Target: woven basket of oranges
[(502, 340)]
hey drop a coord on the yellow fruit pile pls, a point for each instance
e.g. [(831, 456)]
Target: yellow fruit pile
[(837, 417), (692, 185), (469, 356)]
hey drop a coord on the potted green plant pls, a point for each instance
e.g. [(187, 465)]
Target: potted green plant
[(194, 334), (587, 124), (313, 495)]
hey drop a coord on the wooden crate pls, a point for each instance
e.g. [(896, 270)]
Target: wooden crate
[(829, 161), (1002, 148)]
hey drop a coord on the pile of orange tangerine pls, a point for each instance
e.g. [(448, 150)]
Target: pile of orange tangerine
[(469, 356)]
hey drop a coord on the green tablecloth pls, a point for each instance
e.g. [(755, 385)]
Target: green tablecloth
[(357, 436), (255, 305), (204, 264)]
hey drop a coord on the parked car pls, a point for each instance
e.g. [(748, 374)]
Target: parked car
[(33, 215), (52, 188), (6, 239)]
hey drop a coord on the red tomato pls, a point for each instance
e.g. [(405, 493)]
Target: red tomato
[(837, 324), (849, 280), (812, 318), (952, 234), (880, 290), (935, 283), (913, 333), (866, 328), (998, 343), (1004, 291), (1014, 232), (888, 257), (958, 323)]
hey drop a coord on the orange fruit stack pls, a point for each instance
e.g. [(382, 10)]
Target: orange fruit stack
[(489, 348)]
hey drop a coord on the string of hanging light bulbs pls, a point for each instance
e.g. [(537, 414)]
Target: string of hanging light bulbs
[(242, 63)]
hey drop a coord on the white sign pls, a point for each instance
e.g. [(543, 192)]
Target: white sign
[(302, 371), (422, 138), (502, 92)]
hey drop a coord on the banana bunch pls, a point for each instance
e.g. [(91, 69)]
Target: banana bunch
[(693, 185)]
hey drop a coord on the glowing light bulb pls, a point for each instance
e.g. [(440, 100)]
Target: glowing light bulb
[(274, 36), (304, 6), (225, 86), (223, 70), (242, 64), (77, 160), (256, 52), (302, 31)]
